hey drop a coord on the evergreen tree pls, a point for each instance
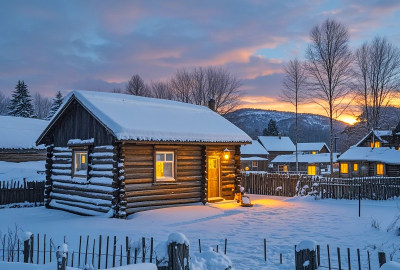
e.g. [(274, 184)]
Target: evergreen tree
[(21, 102), (57, 101), (272, 129)]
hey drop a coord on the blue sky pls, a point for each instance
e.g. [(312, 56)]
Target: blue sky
[(98, 45)]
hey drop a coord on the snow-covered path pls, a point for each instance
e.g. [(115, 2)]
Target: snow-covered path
[(284, 222)]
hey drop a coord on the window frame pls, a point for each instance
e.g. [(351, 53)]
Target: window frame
[(174, 166), (254, 162), (355, 167), (380, 169), (314, 168), (284, 168), (344, 165), (74, 165)]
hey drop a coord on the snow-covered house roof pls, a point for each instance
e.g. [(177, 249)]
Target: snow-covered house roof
[(255, 148), (20, 132), (129, 117), (253, 159), (381, 154), (307, 158), (378, 134), (277, 143), (315, 146)]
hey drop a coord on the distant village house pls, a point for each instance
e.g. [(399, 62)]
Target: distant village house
[(254, 157)]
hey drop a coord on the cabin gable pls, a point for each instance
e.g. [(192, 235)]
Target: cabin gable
[(75, 122)]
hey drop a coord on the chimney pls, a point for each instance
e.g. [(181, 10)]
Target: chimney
[(211, 104)]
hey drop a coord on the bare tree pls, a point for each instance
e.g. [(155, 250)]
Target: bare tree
[(182, 86), (294, 84), (329, 70), (41, 106), (383, 76), (4, 104), (161, 90), (137, 87), (361, 72)]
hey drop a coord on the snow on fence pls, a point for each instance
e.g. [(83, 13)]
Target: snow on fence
[(374, 188), (21, 192)]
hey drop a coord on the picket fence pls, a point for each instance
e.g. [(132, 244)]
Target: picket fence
[(373, 188)]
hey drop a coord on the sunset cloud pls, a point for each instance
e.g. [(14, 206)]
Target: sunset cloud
[(99, 45)]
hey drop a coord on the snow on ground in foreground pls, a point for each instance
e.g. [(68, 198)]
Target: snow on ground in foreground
[(18, 170), (284, 222)]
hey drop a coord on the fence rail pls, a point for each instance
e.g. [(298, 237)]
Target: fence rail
[(19, 192), (374, 188)]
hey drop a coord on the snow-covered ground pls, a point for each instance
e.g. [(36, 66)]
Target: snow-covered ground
[(31, 170), (284, 222)]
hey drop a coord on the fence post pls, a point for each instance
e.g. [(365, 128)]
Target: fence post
[(305, 256), (178, 256), (381, 258), (61, 255), (27, 248)]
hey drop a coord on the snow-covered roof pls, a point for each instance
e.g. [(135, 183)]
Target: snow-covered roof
[(252, 158), (131, 117), (315, 146), (381, 154), (255, 148), (378, 134), (276, 143), (307, 158), (20, 132)]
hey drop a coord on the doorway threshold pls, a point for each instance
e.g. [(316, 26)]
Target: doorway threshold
[(215, 199)]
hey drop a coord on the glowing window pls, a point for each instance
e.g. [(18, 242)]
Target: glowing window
[(312, 170), (165, 166), (344, 167), (398, 148), (254, 164), (80, 163), (379, 169), (371, 144), (282, 168), (314, 152), (377, 144), (355, 167), (246, 168)]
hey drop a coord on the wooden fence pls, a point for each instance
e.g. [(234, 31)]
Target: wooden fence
[(374, 188), (20, 192), (103, 252)]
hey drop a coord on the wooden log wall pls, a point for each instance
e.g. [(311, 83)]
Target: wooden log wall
[(22, 155), (92, 196), (143, 193), (229, 167)]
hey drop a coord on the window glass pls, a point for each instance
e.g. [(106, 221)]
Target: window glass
[(285, 168), (165, 166), (377, 144), (254, 164), (379, 169), (355, 167), (344, 167), (80, 163), (312, 170)]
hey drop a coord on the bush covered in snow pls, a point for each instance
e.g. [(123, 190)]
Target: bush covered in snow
[(210, 260)]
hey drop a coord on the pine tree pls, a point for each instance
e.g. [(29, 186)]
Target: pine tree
[(21, 102), (57, 101), (272, 129)]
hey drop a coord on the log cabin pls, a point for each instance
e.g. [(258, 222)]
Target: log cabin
[(366, 161), (254, 157), (277, 145), (17, 139), (313, 148), (115, 154)]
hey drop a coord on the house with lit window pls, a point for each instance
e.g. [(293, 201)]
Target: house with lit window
[(254, 157), (369, 161), (114, 154), (313, 148), (277, 145), (381, 138), (312, 164)]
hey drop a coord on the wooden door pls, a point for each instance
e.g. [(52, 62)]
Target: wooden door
[(213, 177)]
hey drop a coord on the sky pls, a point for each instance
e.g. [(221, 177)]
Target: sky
[(99, 45)]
